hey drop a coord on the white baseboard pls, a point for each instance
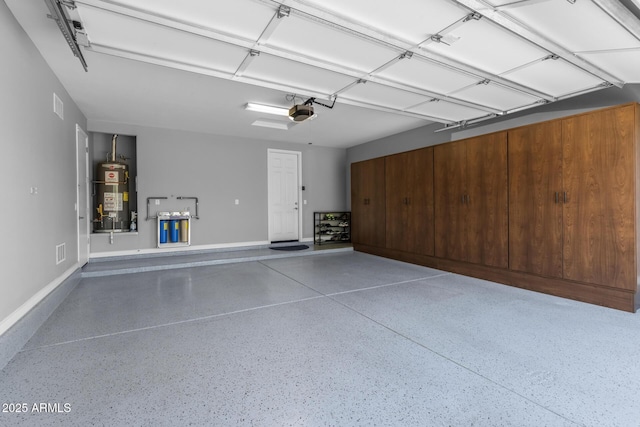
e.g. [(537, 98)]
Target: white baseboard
[(21, 311), (157, 251)]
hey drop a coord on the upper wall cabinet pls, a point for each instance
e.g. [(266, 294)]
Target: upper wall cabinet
[(471, 212), (368, 202), (409, 201)]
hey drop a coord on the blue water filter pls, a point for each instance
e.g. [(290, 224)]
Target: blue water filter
[(174, 230), (164, 230)]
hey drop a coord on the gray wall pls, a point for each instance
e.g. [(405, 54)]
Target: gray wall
[(38, 151), (217, 170), (427, 135)]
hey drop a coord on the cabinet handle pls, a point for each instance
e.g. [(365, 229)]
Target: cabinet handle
[(565, 197), (462, 199), (557, 197)]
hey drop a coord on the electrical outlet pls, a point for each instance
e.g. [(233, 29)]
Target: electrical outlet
[(237, 201)]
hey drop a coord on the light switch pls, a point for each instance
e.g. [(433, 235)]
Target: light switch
[(237, 201)]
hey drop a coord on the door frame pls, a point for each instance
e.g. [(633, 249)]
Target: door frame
[(82, 163), (298, 155)]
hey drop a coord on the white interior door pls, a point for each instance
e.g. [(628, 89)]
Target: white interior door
[(284, 195), (82, 194)]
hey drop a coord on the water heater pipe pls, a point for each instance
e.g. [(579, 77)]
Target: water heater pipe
[(113, 148), (191, 198)]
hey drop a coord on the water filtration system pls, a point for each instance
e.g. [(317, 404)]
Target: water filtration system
[(174, 228), (112, 194)]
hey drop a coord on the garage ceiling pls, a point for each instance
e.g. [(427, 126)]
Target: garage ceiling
[(389, 66)]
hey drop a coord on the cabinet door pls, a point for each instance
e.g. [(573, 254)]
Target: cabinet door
[(450, 208), (396, 179), (488, 215), (409, 197), (535, 206), (599, 177), (368, 202), (420, 221)]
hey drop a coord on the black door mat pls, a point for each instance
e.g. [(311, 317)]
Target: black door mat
[(290, 248)]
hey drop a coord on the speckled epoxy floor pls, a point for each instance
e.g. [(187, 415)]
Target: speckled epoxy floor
[(336, 339)]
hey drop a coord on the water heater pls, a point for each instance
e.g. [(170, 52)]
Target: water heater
[(112, 194)]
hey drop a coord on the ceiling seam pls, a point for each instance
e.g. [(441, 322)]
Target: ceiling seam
[(403, 46), (183, 66), (153, 18), (621, 15), (254, 47), (513, 25)]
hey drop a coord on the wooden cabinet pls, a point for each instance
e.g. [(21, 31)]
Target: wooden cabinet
[(450, 182), (572, 198), (535, 209), (599, 168), (368, 208), (552, 207), (409, 202), (471, 212)]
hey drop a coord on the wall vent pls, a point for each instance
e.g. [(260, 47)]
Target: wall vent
[(58, 106), (61, 253)]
